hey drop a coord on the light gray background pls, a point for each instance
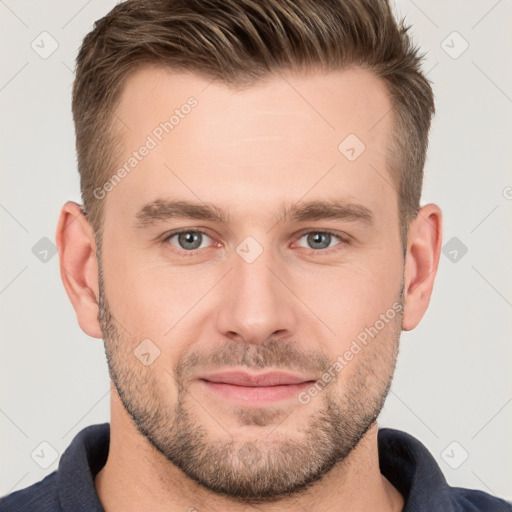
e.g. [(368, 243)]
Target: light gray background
[(453, 381)]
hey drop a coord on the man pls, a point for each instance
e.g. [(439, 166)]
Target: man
[(250, 247)]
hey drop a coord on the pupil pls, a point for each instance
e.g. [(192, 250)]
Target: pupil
[(188, 238), (192, 238), (318, 237)]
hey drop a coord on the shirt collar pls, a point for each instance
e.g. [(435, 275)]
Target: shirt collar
[(403, 460), (412, 469), (78, 466)]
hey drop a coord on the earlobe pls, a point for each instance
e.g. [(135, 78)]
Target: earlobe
[(79, 266), (422, 259)]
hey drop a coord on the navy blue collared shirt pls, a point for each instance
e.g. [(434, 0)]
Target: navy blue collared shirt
[(403, 460)]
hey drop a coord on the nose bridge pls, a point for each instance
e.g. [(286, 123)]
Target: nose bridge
[(255, 304)]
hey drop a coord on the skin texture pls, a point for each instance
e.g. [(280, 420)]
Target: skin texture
[(175, 445)]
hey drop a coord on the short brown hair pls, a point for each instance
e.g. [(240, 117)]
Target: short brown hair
[(239, 42)]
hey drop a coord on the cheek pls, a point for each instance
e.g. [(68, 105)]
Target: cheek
[(350, 298), (149, 297)]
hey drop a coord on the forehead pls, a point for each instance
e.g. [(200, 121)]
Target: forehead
[(267, 143), (354, 96)]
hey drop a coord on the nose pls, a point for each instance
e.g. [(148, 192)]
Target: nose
[(255, 305)]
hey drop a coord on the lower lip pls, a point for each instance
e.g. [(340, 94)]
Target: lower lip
[(256, 394)]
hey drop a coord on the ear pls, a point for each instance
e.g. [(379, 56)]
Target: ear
[(422, 259), (79, 266)]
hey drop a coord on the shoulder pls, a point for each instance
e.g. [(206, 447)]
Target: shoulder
[(469, 500), (71, 487), (42, 496), (411, 468)]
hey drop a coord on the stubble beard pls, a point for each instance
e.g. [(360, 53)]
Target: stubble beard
[(266, 467)]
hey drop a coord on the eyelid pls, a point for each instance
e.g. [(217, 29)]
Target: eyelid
[(343, 238), (166, 238)]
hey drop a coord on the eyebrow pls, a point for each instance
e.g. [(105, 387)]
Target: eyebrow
[(161, 210)]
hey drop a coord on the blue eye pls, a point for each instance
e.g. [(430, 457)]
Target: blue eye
[(320, 240), (188, 240)]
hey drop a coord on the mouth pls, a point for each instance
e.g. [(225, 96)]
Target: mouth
[(255, 389)]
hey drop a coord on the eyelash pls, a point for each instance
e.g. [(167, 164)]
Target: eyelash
[(342, 240)]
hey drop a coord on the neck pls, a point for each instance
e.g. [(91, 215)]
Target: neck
[(138, 477)]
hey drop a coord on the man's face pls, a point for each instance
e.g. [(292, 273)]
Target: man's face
[(258, 291)]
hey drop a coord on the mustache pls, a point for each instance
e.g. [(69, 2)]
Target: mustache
[(285, 355)]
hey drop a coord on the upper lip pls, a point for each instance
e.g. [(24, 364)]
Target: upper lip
[(240, 378)]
